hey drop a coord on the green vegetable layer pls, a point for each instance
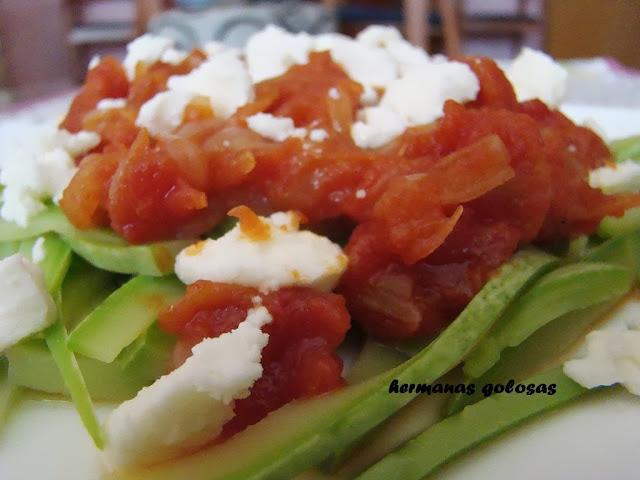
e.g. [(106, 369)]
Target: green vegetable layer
[(125, 315), (101, 248), (32, 366), (546, 348), (564, 290)]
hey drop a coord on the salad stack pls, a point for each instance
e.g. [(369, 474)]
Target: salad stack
[(318, 257)]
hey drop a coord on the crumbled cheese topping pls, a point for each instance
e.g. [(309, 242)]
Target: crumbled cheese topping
[(223, 79), (163, 113), (622, 177), (420, 95), (39, 167), (367, 65), (286, 257), (189, 406), (111, 103), (405, 55), (360, 193), (377, 126), (369, 97), (274, 128), (535, 74), (25, 305), (147, 48), (37, 251), (272, 51), (612, 354), (318, 135), (173, 56)]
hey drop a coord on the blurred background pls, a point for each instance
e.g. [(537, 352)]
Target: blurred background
[(45, 45)]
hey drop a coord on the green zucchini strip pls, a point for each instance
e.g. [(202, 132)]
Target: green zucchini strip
[(564, 290), (54, 266), (102, 248), (124, 316)]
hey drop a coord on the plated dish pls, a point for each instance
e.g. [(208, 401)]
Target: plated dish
[(206, 234)]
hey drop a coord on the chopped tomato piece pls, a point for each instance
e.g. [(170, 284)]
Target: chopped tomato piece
[(148, 200), (299, 359), (106, 80), (85, 199)]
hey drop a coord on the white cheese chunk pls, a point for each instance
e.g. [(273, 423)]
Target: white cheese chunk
[(611, 354), (288, 257), (535, 74), (377, 126), (274, 128), (368, 65), (25, 307), (74, 144), (38, 167), (173, 56), (189, 406), (612, 357), (623, 177), (38, 253), (148, 49), (318, 135), (379, 35), (111, 103), (369, 97), (163, 113), (419, 96), (272, 51), (405, 55), (213, 48), (223, 79)]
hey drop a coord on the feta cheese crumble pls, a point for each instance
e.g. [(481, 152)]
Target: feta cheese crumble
[(612, 354), (173, 56), (25, 307), (405, 55), (420, 95), (272, 51), (163, 113), (147, 48), (535, 74), (38, 167), (189, 406), (318, 135), (111, 103), (623, 177), (223, 79), (37, 251), (288, 257), (377, 126), (367, 65), (274, 128)]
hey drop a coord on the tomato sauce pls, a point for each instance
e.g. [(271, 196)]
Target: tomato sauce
[(427, 218)]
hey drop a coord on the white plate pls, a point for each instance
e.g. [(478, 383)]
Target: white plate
[(595, 439)]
